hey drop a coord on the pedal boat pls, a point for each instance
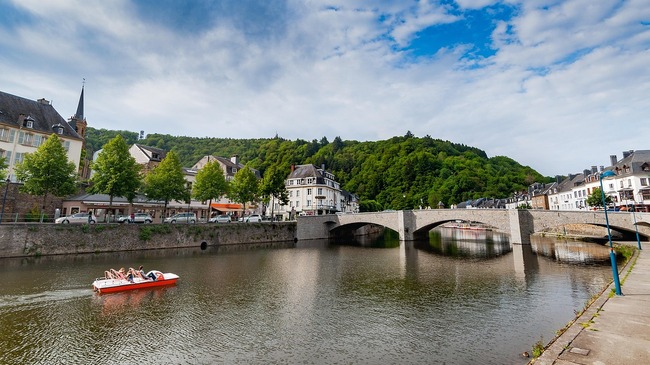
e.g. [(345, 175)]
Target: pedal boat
[(107, 285)]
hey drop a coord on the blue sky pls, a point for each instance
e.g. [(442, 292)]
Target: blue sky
[(556, 85)]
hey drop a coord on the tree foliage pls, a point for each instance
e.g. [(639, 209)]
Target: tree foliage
[(47, 171), (210, 183), (273, 186), (244, 187), (401, 172), (116, 173), (595, 199), (3, 169), (166, 181)]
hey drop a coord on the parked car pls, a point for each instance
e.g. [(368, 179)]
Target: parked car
[(253, 218), (224, 218), (76, 218), (181, 218), (137, 218)]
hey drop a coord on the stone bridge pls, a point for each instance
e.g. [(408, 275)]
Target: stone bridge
[(519, 224)]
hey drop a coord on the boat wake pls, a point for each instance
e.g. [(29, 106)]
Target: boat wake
[(29, 300)]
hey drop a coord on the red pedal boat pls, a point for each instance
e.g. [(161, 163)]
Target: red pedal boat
[(113, 282)]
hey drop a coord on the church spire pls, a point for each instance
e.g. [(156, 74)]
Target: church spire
[(79, 115)]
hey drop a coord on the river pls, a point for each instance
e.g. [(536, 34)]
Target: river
[(459, 298)]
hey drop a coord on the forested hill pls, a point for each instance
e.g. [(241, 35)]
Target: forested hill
[(401, 172)]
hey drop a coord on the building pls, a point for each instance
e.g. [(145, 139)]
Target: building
[(629, 188), (230, 168), (26, 124), (312, 191)]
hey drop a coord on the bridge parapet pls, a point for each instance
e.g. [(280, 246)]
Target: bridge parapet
[(519, 224)]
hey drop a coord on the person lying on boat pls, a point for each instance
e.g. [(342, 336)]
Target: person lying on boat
[(150, 275)]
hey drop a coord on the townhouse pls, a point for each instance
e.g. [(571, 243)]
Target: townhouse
[(26, 124)]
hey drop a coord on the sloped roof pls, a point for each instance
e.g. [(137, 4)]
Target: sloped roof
[(635, 160), (151, 152), (303, 171), (43, 114)]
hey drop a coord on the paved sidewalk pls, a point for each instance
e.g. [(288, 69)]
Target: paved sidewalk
[(613, 330)]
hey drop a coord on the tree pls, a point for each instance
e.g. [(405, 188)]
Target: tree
[(48, 171), (595, 199), (210, 183), (273, 186), (116, 173), (166, 182), (244, 187), (3, 169)]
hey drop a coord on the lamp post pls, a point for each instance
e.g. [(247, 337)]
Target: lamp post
[(612, 256), (636, 229), (4, 199)]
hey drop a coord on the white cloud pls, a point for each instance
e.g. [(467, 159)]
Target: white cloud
[(563, 79)]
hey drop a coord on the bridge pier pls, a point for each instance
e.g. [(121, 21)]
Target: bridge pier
[(521, 226), (405, 224)]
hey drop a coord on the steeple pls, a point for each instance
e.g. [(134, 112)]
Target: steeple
[(79, 115)]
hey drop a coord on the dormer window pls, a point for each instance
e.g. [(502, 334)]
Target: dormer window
[(28, 122), (57, 128)]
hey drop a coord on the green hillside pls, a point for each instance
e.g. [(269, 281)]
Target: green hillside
[(398, 173)]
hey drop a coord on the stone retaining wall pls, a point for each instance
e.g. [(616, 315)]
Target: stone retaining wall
[(18, 240)]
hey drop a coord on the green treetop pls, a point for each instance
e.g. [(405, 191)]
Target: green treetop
[(595, 199), (244, 187), (166, 182), (210, 183), (116, 173), (48, 171), (273, 186)]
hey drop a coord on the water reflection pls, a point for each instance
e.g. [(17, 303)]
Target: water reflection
[(309, 303), (570, 251), (476, 244)]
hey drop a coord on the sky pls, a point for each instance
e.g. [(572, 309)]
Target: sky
[(556, 85)]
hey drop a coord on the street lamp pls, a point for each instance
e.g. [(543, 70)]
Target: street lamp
[(612, 256), (4, 199), (638, 240)]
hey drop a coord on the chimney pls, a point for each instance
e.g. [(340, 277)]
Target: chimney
[(594, 169), (293, 168), (234, 159), (626, 154), (613, 159), (43, 101), (585, 173), (558, 178), (602, 168), (322, 167)]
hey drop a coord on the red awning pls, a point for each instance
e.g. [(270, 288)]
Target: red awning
[(227, 207)]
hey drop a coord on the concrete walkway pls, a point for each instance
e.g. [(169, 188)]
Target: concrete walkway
[(612, 330)]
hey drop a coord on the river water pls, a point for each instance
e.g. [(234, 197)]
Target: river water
[(459, 298)]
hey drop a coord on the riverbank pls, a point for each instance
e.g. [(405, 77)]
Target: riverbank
[(24, 240), (612, 329)]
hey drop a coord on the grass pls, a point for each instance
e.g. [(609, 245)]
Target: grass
[(538, 348)]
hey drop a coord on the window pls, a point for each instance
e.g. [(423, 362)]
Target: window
[(308, 193), (644, 181), (309, 202), (310, 180), (38, 140), (629, 183), (66, 146), (19, 157), (297, 193), (5, 134), (320, 191), (297, 204)]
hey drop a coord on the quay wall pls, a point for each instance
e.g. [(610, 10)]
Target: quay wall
[(19, 240)]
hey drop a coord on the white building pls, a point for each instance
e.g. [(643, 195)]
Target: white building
[(312, 191), (26, 124), (629, 188)]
